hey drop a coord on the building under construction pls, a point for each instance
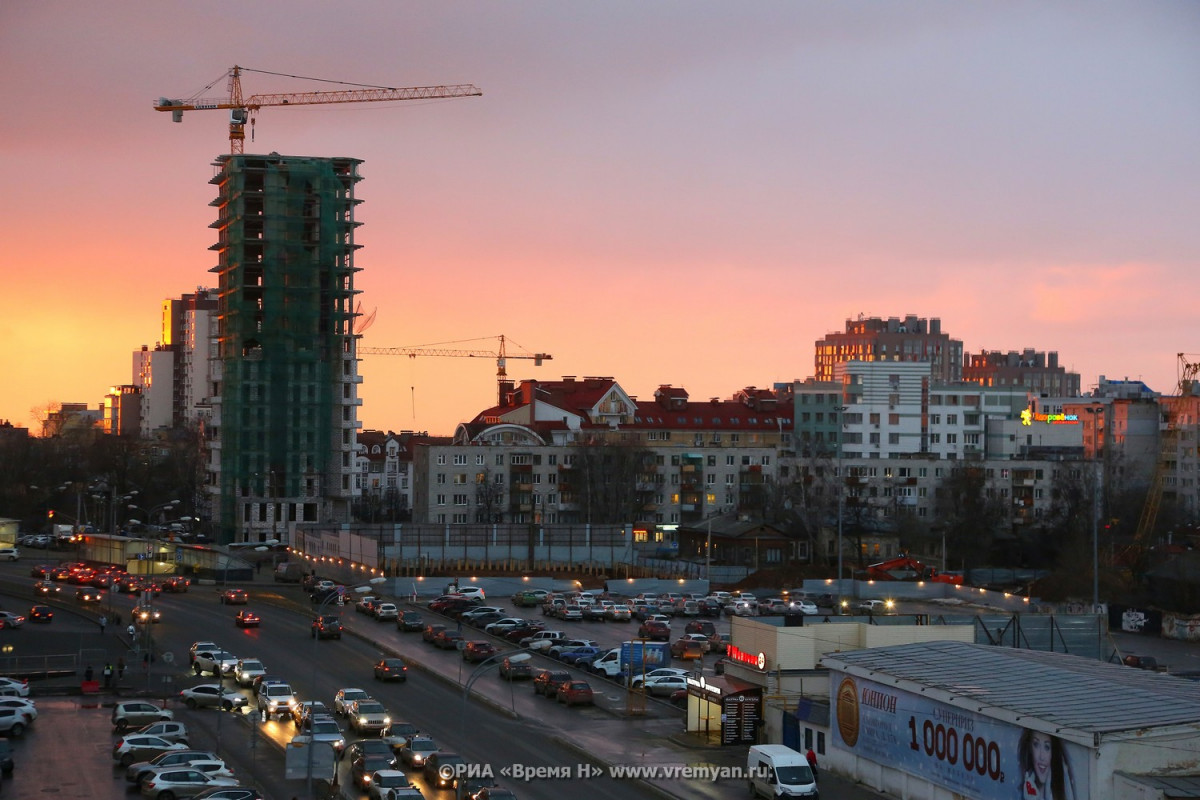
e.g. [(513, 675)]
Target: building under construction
[(285, 381)]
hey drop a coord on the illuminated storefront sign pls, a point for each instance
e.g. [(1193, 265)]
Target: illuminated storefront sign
[(1029, 416), (968, 753), (758, 661)]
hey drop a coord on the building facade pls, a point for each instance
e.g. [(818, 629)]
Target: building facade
[(282, 437), (912, 339)]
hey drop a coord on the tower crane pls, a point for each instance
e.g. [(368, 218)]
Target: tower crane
[(443, 349), (1168, 442), (241, 110)]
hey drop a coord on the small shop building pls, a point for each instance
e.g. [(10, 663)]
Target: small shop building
[(944, 720)]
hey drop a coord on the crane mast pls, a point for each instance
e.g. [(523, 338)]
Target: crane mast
[(241, 108)]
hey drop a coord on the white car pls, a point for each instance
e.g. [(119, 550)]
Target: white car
[(500, 626), (467, 616), (636, 680), (386, 611), (21, 704), (346, 697), (12, 687), (664, 685), (181, 782), (276, 699), (201, 647), (806, 607), (248, 669), (212, 695), (473, 593)]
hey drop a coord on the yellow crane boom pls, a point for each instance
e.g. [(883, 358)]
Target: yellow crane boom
[(440, 349), (241, 108)]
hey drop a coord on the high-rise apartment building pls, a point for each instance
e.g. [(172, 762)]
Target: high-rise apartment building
[(282, 438), (912, 339), (1037, 371)]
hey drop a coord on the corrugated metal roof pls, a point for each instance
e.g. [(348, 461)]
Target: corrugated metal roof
[(1173, 787), (1069, 691)]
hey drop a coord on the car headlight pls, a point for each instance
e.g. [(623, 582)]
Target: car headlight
[(387, 720), (418, 760), (362, 720)]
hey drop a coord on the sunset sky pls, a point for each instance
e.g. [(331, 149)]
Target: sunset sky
[(686, 193)]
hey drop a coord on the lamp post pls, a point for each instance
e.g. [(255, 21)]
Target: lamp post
[(841, 483), (1096, 412)]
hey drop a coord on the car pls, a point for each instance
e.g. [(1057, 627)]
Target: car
[(740, 608), (134, 714), (169, 729), (516, 669), (664, 685), (503, 624), (431, 631), (772, 606), (575, 693), (366, 604), (399, 735), (183, 781), (369, 716), (473, 593), (324, 729), (247, 619), (363, 768), (327, 626), (235, 597), (477, 651), (212, 695), (494, 793), (468, 787), (528, 598), (172, 758), (419, 749), (580, 656), (217, 662), (176, 584), (442, 768), (447, 639), (23, 705), (618, 612), (636, 680), (410, 621), (390, 784), (570, 613), (376, 746), (247, 670), (47, 588), (478, 611), (343, 699), (391, 669), (547, 681), (144, 615), (386, 611), (198, 647), (136, 747), (229, 793), (14, 687), (483, 620), (307, 710), (801, 606), (654, 631), (276, 700), (89, 596), (13, 721), (874, 606), (43, 614)]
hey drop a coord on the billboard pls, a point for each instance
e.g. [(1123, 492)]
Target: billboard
[(965, 752), (639, 657)]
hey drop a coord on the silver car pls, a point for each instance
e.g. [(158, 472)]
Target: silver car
[(173, 758), (172, 782), (212, 695)]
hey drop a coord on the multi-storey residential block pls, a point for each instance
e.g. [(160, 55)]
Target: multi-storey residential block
[(285, 383), (1036, 371), (912, 339)]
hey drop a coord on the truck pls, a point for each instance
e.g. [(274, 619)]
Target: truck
[(906, 568), (640, 656), (289, 572)]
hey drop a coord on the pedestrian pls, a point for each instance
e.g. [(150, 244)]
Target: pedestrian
[(103, 622), (88, 674), (108, 673), (812, 760), (120, 669), (132, 630)]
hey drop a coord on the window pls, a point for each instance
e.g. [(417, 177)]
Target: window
[(952, 419), (893, 419), (441, 459), (935, 419), (460, 459), (440, 478), (711, 461), (460, 478), (766, 461), (552, 459), (729, 461), (460, 499), (439, 500), (479, 460), (935, 438), (730, 480)]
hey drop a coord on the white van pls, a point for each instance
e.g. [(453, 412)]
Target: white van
[(10, 553), (778, 771)]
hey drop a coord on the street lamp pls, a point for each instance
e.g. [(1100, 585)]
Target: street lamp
[(841, 483), (1096, 411)]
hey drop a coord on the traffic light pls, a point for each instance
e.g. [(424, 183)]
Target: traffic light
[(50, 514)]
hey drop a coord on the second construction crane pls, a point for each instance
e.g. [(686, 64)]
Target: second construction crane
[(241, 109), (444, 349)]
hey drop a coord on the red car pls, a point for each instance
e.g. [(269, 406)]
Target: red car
[(176, 583), (478, 651), (247, 619), (447, 640), (655, 631), (235, 597), (575, 693)]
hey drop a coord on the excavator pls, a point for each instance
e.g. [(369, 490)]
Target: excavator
[(906, 568)]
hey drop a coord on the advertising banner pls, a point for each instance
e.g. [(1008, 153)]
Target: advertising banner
[(963, 751)]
